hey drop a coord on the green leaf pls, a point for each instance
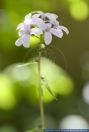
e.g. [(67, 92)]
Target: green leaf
[(48, 87)]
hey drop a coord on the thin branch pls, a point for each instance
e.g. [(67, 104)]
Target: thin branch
[(41, 92), (26, 64)]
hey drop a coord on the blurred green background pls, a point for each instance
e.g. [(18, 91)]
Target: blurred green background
[(65, 65)]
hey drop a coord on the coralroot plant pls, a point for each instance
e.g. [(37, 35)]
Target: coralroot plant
[(41, 25)]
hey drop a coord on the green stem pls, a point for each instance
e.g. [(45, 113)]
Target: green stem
[(40, 90)]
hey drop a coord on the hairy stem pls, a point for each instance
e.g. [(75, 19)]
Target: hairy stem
[(40, 91)]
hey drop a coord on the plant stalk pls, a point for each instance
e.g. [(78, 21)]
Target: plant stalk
[(40, 91)]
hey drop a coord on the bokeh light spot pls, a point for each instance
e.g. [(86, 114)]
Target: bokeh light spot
[(86, 93), (74, 1), (73, 122), (7, 97), (79, 10)]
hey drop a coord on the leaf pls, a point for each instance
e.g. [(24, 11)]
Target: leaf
[(48, 88), (34, 130)]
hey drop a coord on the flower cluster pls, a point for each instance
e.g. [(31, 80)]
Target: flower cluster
[(39, 23)]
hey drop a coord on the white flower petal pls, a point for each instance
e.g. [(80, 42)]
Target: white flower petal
[(51, 16), (25, 39), (27, 28), (48, 25), (21, 32), (39, 12), (55, 23), (64, 29), (18, 42), (28, 16), (27, 21), (36, 15), (47, 38), (41, 24), (36, 31), (56, 32), (20, 26)]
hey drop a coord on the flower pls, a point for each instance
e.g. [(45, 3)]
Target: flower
[(43, 15), (39, 23), (25, 31), (50, 29)]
